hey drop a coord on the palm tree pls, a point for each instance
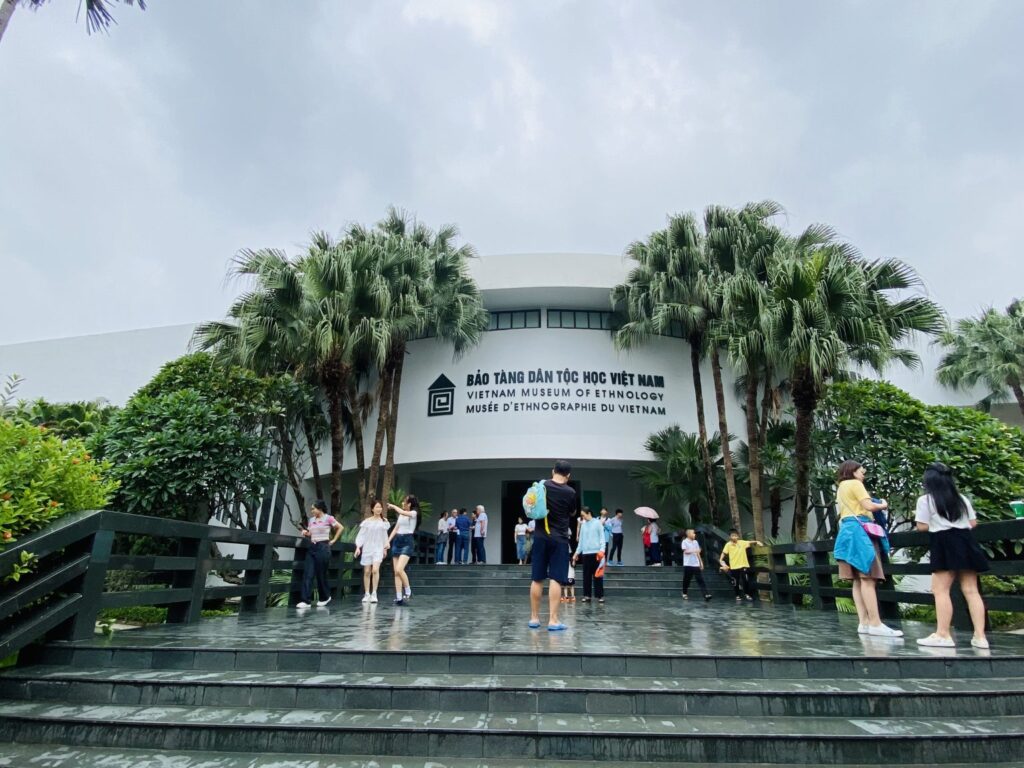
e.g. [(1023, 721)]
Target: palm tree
[(831, 310), (989, 350), (97, 12), (665, 288), (678, 477)]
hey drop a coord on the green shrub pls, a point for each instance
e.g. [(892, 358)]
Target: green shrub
[(151, 614), (43, 478)]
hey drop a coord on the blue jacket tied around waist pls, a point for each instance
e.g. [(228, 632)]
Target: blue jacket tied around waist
[(855, 546)]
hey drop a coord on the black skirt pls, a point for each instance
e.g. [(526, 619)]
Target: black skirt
[(956, 550)]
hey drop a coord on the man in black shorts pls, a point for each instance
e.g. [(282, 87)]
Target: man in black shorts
[(551, 546)]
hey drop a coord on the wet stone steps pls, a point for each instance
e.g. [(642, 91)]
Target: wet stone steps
[(534, 736), (57, 756), (520, 694)]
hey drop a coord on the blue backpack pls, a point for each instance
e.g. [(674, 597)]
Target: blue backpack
[(535, 503)]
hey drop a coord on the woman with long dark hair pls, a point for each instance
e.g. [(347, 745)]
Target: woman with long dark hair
[(403, 545), (949, 519), (371, 546), (858, 547)]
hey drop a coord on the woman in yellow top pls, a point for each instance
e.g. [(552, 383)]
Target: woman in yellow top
[(857, 553)]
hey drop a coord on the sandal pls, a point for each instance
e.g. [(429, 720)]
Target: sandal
[(556, 627), (533, 624)]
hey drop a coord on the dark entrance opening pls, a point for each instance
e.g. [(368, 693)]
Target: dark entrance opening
[(512, 492)]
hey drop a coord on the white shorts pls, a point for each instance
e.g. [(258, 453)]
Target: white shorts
[(371, 558)]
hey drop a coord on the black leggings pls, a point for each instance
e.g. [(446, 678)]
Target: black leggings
[(616, 548), (693, 572), (589, 569), (315, 566)]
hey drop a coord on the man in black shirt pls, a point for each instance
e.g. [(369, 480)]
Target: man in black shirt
[(551, 546)]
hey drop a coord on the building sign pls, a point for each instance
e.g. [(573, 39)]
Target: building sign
[(441, 397), (542, 390)]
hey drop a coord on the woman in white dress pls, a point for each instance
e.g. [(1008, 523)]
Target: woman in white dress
[(371, 544)]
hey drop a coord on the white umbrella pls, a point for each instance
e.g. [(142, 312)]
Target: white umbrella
[(647, 512)]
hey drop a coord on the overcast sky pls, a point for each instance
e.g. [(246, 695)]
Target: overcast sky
[(133, 165)]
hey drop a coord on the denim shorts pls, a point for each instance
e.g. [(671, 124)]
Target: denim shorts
[(402, 545)]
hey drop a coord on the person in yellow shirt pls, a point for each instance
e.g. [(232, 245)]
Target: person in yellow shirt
[(857, 553), (735, 561)]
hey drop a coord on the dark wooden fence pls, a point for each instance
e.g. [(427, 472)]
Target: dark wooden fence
[(807, 569), (67, 587)]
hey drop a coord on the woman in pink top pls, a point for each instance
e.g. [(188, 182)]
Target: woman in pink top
[(322, 530)]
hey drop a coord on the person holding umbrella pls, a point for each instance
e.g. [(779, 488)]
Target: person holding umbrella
[(649, 533)]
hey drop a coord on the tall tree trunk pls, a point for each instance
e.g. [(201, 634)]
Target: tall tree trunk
[(383, 407), (766, 407), (1019, 394), (357, 436), (335, 410), (723, 426), (288, 454), (702, 429), (6, 11), (314, 459), (396, 392), (754, 449), (805, 399), (775, 502)]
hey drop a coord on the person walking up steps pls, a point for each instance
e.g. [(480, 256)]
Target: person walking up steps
[(693, 564), (442, 539), (615, 555), (520, 539), (551, 547), (319, 531), (949, 519), (591, 549), (735, 561), (859, 553), (403, 545), (453, 534), (371, 546)]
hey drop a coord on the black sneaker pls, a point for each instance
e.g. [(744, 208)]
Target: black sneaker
[(399, 601), (707, 596)]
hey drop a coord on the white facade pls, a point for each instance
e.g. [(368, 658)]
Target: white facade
[(473, 430)]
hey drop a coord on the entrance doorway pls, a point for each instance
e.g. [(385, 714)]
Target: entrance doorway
[(512, 492)]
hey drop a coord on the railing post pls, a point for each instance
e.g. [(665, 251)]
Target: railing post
[(92, 583), (887, 609), (191, 611), (777, 575), (261, 578), (821, 579)]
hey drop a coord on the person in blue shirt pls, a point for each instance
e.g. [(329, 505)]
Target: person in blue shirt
[(462, 525), (591, 547)]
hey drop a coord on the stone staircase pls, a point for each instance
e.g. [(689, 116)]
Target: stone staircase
[(165, 702), (513, 580)]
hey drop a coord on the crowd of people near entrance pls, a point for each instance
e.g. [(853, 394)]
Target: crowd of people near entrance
[(555, 545)]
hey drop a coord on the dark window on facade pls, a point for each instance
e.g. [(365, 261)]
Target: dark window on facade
[(516, 320), (580, 320)]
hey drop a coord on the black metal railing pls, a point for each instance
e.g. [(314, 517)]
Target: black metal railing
[(806, 572), (69, 582)]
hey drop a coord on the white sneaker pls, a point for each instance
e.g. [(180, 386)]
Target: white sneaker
[(979, 642), (863, 629), (366, 597), (322, 603), (883, 631), (303, 605), (373, 597), (934, 641)]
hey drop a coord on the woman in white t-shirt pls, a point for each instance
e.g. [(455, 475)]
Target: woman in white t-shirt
[(442, 538), (520, 537), (949, 519), (403, 545), (371, 544)]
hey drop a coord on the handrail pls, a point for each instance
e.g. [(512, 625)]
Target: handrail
[(820, 571), (62, 596)]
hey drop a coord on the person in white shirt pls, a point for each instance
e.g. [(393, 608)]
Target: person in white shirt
[(615, 554), (453, 534), (371, 545), (403, 545), (693, 564), (442, 539), (949, 519), (520, 538), (480, 532), (652, 529)]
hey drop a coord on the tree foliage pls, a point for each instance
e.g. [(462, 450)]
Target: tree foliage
[(43, 477), (896, 436)]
